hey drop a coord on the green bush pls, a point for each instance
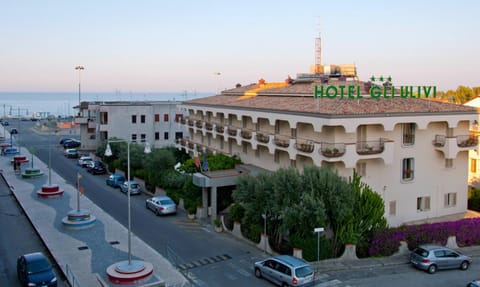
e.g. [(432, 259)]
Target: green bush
[(252, 232), (237, 212), (309, 246)]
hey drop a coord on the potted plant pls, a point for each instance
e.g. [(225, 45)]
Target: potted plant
[(191, 209), (218, 225)]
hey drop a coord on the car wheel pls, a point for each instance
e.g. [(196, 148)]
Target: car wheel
[(258, 273), (432, 269), (157, 213), (464, 265), (285, 285), (146, 205)]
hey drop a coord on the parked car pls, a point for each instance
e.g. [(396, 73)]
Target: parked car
[(5, 123), (34, 269), (14, 131), (432, 257), (84, 160), (64, 140), (96, 167), (73, 143), (474, 283), (115, 180), (285, 270), (161, 205), (71, 153), (10, 150), (135, 187)]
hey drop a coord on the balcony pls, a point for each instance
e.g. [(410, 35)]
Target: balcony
[(209, 126), (190, 122), (81, 120), (370, 147), (304, 145), (246, 134), (282, 141), (450, 146), (467, 141), (183, 121), (232, 131), (439, 141), (199, 124), (332, 149), (262, 137), (219, 128)]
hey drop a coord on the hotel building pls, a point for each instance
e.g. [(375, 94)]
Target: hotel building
[(412, 151)]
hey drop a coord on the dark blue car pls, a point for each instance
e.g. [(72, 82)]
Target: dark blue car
[(34, 269)]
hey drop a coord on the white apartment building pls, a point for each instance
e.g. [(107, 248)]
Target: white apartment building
[(412, 151), (139, 121)]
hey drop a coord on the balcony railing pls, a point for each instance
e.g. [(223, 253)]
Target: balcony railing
[(232, 131), (219, 128), (370, 147), (190, 122), (199, 124), (246, 134), (467, 141), (332, 149), (439, 141), (304, 145), (191, 145), (183, 121), (282, 141), (262, 137)]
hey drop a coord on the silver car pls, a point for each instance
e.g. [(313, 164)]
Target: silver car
[(432, 257), (285, 270), (135, 187), (161, 205)]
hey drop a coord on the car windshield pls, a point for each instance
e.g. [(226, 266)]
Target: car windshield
[(422, 252), (304, 271), (166, 202), (38, 266)]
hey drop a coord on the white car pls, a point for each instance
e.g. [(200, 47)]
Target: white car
[(83, 161)]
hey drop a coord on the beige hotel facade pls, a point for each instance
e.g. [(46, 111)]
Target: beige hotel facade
[(412, 151)]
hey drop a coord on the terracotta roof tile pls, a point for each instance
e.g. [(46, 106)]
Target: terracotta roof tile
[(298, 98)]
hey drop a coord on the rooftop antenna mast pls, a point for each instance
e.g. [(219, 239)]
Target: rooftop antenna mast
[(318, 47)]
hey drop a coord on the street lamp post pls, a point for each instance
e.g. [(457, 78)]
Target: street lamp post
[(318, 230), (79, 69), (136, 267), (264, 216)]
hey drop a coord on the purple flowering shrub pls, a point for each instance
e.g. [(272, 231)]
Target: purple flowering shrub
[(386, 242)]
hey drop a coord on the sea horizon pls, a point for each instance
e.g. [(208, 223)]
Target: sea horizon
[(23, 104)]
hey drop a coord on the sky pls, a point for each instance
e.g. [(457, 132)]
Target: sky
[(172, 46)]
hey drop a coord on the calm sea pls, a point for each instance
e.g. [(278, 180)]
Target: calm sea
[(61, 104)]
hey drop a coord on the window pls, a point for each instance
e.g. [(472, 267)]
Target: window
[(423, 203), (407, 169), (244, 147), (178, 117), (134, 138), (134, 119), (392, 208), (165, 135), (178, 135), (157, 117), (165, 117), (142, 119), (157, 136), (276, 157), (450, 199), (449, 162), (473, 165), (408, 134), (142, 138)]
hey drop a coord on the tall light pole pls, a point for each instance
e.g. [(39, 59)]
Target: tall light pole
[(318, 230), (136, 266), (79, 69)]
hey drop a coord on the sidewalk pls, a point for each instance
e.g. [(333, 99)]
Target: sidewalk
[(83, 255)]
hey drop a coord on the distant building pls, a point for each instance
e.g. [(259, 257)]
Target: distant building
[(140, 122), (413, 152)]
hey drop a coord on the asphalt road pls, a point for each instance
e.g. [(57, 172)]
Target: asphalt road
[(16, 238), (215, 259)]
